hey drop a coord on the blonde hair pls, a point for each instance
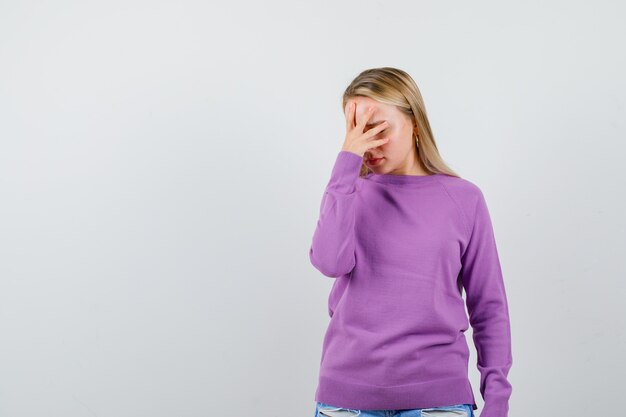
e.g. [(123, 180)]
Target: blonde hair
[(393, 86)]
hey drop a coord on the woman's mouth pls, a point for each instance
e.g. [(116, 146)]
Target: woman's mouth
[(374, 161)]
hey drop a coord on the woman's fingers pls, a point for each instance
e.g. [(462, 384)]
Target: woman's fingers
[(350, 110), (377, 129), (377, 142), (357, 140), (365, 117)]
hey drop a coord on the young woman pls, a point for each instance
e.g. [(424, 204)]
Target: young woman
[(403, 235)]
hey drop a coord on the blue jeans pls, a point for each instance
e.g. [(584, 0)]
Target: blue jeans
[(458, 410)]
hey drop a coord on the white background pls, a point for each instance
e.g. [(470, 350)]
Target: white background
[(162, 166)]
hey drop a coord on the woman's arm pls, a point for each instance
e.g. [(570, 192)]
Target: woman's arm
[(488, 312), (332, 248)]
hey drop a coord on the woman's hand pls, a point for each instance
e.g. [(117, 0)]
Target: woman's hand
[(357, 141)]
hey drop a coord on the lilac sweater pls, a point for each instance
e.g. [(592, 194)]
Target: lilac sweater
[(401, 249)]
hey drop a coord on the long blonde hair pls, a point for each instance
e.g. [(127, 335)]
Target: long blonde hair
[(393, 86)]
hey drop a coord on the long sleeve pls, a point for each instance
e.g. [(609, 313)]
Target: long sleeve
[(333, 244), (488, 312)]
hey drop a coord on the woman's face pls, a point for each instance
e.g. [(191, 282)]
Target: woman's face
[(398, 155)]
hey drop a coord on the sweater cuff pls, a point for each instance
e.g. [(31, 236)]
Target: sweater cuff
[(345, 172), (495, 407)]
